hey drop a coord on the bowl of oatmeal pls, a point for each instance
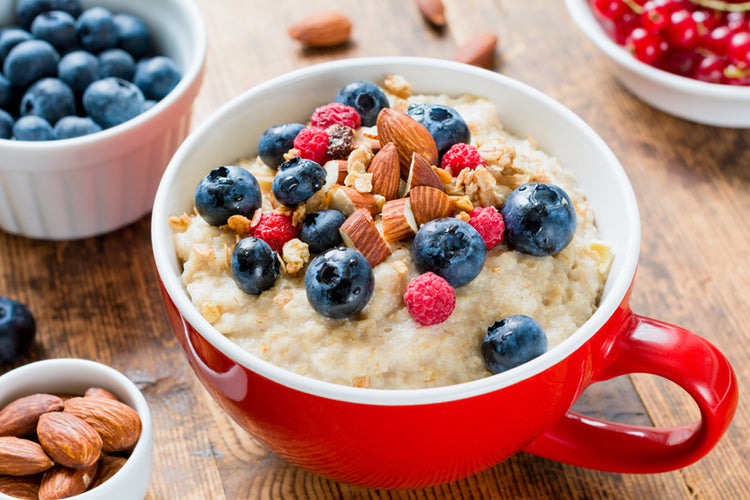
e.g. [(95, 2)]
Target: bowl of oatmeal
[(359, 395)]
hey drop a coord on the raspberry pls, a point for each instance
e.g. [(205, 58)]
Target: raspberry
[(275, 229), (430, 299), (312, 144), (461, 156), (335, 113), (489, 224)]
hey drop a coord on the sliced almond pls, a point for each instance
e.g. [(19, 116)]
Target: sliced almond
[(386, 172), (341, 170), (117, 423), (433, 11), (409, 135), (360, 232), (325, 29), (398, 220), (429, 203), (347, 199), (19, 417), (478, 51), (422, 174)]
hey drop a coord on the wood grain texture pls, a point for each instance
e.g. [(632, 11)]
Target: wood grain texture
[(98, 298)]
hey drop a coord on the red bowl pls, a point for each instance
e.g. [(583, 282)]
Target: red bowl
[(423, 437)]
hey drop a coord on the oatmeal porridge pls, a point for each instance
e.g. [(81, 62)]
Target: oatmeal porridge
[(382, 345)]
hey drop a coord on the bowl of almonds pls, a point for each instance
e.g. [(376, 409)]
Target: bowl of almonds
[(73, 428)]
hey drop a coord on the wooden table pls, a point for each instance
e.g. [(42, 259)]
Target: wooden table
[(98, 298)]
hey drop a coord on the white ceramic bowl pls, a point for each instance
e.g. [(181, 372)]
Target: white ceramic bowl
[(701, 102), (86, 186), (74, 376)]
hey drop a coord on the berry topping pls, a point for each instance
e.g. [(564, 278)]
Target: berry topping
[(339, 283), (450, 248), (112, 101), (68, 127), (340, 138), (156, 77), (17, 330), (276, 141), (312, 144), (335, 113), (32, 128), (56, 27), (227, 191), (320, 230), (78, 69), (444, 124), (96, 29), (117, 63), (133, 35), (27, 10), (489, 224), (49, 98), (297, 180), (461, 156), (539, 219), (29, 61), (366, 98), (275, 229), (512, 341), (254, 265), (429, 299)]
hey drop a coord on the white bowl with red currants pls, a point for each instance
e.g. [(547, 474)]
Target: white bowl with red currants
[(688, 58)]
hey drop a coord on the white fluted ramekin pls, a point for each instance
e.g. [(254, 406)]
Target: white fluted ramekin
[(91, 185)]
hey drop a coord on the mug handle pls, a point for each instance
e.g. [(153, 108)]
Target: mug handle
[(645, 345)]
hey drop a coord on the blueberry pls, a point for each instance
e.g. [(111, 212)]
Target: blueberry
[(17, 330), (156, 77), (450, 248), (148, 104), (56, 27), (366, 98), (117, 63), (75, 126), (27, 10), (276, 141), (227, 191), (444, 124), (339, 283), (6, 92), (297, 180), (111, 101), (539, 219), (96, 29), (79, 69), (11, 37), (30, 61), (133, 35), (320, 230), (254, 265), (512, 341), (50, 98), (32, 128), (6, 125)]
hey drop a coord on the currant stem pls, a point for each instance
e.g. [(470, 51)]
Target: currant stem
[(722, 5)]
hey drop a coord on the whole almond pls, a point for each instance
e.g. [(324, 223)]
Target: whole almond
[(23, 487), (98, 392), (117, 423), (478, 51), (68, 440), (21, 457), (386, 172), (108, 467), (408, 135), (325, 29), (433, 11), (62, 482), (19, 417)]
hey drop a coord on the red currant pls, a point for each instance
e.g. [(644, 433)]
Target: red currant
[(680, 62), (624, 27), (611, 9), (655, 16), (682, 30), (710, 69), (717, 40), (739, 49), (735, 20), (646, 47)]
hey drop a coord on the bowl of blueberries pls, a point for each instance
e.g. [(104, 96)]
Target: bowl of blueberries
[(95, 97), (688, 58)]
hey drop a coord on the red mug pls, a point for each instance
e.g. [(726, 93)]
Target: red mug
[(422, 437)]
